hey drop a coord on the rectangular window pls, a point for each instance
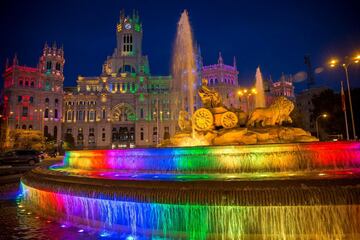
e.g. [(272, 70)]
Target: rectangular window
[(141, 113), (103, 137), (19, 99), (25, 111), (103, 114), (68, 116), (80, 115), (91, 116)]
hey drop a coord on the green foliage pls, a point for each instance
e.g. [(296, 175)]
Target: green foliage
[(69, 141), (26, 139), (329, 102)]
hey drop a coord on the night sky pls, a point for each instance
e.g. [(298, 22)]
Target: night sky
[(273, 34)]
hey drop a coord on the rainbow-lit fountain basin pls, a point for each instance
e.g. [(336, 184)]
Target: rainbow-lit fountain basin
[(228, 192)]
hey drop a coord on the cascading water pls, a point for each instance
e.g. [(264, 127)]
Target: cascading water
[(279, 191), (259, 85), (274, 191), (184, 66)]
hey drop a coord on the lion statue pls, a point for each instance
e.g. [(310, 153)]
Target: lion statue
[(210, 98), (276, 114)]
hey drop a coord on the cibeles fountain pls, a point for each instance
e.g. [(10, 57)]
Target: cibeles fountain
[(238, 178), (216, 124)]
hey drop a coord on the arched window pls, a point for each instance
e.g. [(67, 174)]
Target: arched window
[(57, 66), (23, 126), (127, 68), (31, 99), (56, 114), (47, 100), (48, 65), (32, 84), (56, 101), (46, 115), (46, 130), (216, 81), (30, 127)]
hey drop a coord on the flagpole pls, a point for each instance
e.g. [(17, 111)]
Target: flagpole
[(343, 104)]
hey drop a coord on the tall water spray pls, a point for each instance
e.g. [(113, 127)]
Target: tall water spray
[(259, 85), (184, 66)]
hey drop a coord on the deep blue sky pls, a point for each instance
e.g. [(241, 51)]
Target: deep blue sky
[(272, 34)]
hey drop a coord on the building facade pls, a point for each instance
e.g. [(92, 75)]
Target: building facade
[(224, 79), (125, 106), (33, 97)]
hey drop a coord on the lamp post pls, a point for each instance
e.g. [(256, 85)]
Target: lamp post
[(40, 115), (324, 115), (247, 93), (346, 63), (8, 129), (7, 119)]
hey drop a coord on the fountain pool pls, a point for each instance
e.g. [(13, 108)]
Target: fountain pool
[(279, 191)]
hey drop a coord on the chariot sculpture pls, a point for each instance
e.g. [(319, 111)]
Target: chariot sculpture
[(214, 113)]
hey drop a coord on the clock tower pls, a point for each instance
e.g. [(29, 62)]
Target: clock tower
[(129, 35), (127, 56)]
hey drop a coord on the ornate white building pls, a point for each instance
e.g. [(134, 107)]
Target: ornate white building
[(125, 106)]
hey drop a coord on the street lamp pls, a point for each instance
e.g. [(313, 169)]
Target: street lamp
[(40, 115), (324, 115), (247, 93), (346, 63)]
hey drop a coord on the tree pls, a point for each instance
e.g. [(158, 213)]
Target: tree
[(69, 141), (26, 139), (329, 102)]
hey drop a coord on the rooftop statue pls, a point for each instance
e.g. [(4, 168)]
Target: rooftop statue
[(216, 124)]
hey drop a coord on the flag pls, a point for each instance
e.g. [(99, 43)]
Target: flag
[(343, 106)]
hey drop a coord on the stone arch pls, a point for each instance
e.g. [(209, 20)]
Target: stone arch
[(123, 112)]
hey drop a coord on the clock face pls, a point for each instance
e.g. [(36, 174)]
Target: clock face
[(128, 26)]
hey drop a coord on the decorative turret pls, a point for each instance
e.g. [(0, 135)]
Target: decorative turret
[(15, 60), (220, 59), (52, 60)]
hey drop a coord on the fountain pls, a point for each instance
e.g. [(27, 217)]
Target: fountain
[(286, 186), (259, 85), (184, 66)]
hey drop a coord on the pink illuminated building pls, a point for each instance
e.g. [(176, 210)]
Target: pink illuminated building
[(32, 97), (224, 79)]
